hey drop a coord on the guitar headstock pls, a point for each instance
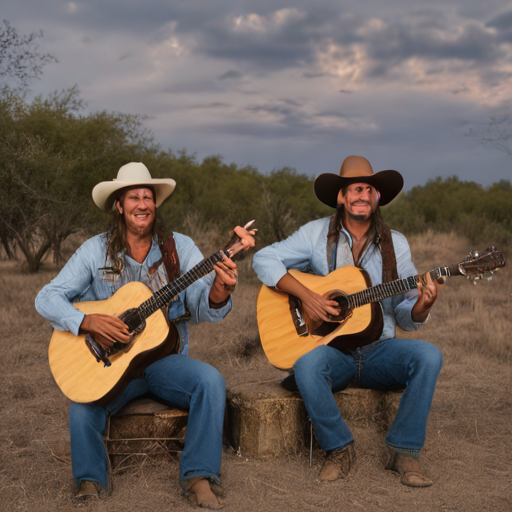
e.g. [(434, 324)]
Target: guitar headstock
[(475, 265), (241, 240)]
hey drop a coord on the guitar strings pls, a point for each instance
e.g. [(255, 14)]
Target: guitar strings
[(168, 292)]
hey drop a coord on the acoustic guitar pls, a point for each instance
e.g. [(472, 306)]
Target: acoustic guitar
[(286, 334), (86, 373)]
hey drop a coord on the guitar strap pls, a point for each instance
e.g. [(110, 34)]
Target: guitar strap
[(385, 243), (333, 237), (170, 258), (172, 266), (387, 251)]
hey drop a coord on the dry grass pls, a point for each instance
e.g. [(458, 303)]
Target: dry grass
[(469, 435)]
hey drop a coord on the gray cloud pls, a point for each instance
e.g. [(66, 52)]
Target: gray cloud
[(214, 105), (193, 87), (471, 41), (300, 83), (503, 23), (279, 39), (232, 74)]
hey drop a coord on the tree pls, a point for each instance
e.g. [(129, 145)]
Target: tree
[(498, 133), (20, 60), (51, 156)]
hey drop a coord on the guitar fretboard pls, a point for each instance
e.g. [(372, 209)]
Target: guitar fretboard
[(385, 290), (168, 292)]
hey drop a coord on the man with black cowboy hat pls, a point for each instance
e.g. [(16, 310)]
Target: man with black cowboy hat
[(357, 235), (133, 251)]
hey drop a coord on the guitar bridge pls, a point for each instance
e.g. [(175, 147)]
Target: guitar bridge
[(298, 320), (97, 351)]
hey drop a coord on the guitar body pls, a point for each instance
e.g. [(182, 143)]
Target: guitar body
[(279, 336), (81, 378)]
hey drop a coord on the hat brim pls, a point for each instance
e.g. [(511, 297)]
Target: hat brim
[(388, 183), (104, 193)]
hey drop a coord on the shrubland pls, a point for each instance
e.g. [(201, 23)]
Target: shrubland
[(52, 154)]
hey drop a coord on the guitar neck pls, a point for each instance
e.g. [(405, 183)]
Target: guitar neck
[(166, 294), (393, 288)]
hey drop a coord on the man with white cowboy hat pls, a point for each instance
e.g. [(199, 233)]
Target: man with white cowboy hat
[(357, 235), (134, 250)]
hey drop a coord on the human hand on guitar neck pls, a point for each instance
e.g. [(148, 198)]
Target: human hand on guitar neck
[(226, 273), (427, 295)]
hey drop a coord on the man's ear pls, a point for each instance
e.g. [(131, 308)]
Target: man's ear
[(119, 207), (341, 198)]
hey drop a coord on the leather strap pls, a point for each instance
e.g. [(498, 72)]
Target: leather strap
[(333, 236), (385, 243), (170, 258), (387, 251)]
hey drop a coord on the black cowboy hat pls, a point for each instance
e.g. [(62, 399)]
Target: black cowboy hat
[(357, 169)]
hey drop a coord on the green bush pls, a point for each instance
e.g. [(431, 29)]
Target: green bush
[(481, 214)]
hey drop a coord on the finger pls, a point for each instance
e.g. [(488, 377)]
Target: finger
[(228, 263), (123, 338), (104, 342), (245, 236), (226, 273), (113, 321), (333, 311)]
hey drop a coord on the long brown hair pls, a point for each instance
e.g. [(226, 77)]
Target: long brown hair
[(116, 235)]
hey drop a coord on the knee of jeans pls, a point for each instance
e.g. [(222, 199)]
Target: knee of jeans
[(431, 358), (211, 380), (313, 363)]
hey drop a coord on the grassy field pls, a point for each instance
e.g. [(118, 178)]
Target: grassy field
[(469, 438)]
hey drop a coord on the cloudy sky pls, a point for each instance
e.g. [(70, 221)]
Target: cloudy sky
[(300, 84)]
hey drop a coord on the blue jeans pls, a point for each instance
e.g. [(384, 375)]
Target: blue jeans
[(178, 380), (390, 364)]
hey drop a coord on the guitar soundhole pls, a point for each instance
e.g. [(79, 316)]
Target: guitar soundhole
[(326, 328), (132, 319), (342, 300), (136, 325)]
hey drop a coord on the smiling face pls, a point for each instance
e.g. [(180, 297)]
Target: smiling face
[(360, 201), (137, 205)]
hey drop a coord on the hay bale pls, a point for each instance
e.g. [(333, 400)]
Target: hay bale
[(264, 420), (268, 423), (145, 427)]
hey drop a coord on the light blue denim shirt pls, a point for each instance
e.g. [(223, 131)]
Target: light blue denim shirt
[(306, 250), (82, 279)]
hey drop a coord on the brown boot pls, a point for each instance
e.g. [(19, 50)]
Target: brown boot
[(88, 490), (201, 492), (338, 464), (409, 468)]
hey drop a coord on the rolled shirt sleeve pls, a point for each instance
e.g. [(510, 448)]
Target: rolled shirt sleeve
[(55, 300), (295, 252)]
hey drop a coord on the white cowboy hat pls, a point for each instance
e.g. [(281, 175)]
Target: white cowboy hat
[(130, 175)]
